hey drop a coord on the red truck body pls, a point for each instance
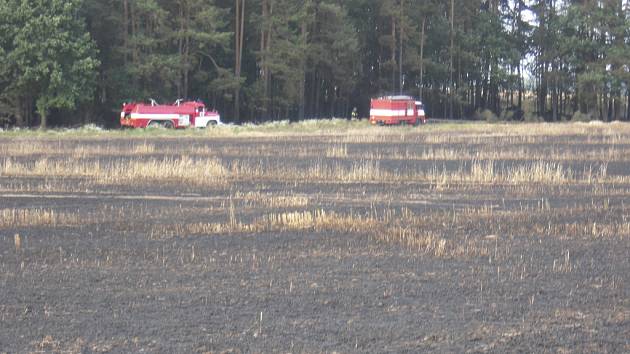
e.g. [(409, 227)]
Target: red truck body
[(180, 114), (396, 110)]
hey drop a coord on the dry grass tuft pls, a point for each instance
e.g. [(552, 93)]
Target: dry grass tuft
[(10, 218), (185, 170), (17, 241), (317, 220), (269, 200), (337, 150)]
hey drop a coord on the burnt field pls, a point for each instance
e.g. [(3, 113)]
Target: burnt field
[(442, 238)]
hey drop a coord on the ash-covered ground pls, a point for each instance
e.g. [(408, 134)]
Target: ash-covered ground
[(404, 240)]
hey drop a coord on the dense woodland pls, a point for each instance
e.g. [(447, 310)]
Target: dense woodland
[(72, 62)]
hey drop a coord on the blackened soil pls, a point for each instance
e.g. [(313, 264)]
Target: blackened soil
[(113, 283)]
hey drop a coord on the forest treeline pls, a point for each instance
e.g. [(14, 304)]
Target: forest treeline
[(70, 62)]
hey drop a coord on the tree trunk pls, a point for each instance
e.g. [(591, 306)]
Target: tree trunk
[(609, 106), (125, 31), (43, 123), (302, 87), (450, 60), (19, 112), (28, 110), (422, 57), (478, 94), (542, 64), (518, 67), (134, 30), (310, 93), (400, 47), (520, 87), (563, 101), (393, 54), (542, 91), (265, 45), (263, 38), (318, 91), (458, 84), (485, 89), (186, 51), (180, 48), (134, 49), (238, 35), (601, 104), (554, 94), (445, 101), (333, 101), (511, 89)]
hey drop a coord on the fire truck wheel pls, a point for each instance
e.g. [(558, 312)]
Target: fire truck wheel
[(168, 124), (153, 124), (211, 123)]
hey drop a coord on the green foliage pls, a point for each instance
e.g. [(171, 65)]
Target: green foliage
[(49, 56), (316, 58)]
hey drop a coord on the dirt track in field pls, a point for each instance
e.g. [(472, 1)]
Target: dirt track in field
[(398, 240)]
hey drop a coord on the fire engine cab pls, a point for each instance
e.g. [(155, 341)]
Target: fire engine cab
[(180, 114), (396, 110)]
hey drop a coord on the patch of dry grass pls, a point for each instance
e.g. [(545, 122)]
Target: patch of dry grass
[(271, 201), (184, 170), (213, 172), (12, 218)]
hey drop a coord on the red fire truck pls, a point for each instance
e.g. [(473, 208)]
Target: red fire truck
[(396, 110), (180, 114)]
